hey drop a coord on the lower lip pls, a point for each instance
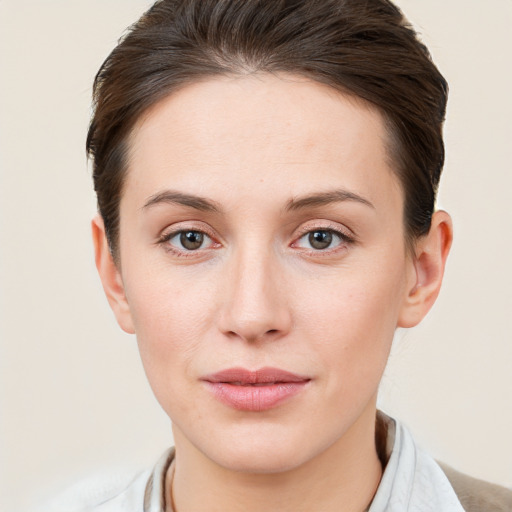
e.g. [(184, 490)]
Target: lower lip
[(255, 398)]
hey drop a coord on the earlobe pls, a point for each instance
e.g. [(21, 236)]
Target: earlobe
[(428, 270), (110, 276)]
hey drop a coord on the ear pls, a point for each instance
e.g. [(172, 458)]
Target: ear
[(110, 276), (428, 264)]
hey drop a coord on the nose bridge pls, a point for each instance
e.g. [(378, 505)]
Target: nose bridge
[(255, 307)]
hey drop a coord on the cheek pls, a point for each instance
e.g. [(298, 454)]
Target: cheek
[(352, 325), (352, 332), (172, 318)]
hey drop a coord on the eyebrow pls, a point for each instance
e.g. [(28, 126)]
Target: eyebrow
[(192, 201), (207, 205), (324, 198)]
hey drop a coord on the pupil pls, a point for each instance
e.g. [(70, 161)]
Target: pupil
[(320, 239), (191, 240)]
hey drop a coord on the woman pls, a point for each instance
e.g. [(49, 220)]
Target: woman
[(266, 175)]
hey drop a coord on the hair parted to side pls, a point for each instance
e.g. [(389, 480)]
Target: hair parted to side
[(361, 47)]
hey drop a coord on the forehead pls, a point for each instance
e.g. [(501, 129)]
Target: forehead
[(241, 131)]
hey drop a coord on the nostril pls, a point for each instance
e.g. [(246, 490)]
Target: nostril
[(253, 336)]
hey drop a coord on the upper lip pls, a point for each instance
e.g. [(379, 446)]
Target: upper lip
[(265, 375)]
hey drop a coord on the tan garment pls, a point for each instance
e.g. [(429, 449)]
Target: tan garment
[(477, 495), (474, 495)]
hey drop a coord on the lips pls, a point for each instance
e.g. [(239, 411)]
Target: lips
[(255, 391)]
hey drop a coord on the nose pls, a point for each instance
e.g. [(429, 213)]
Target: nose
[(255, 305)]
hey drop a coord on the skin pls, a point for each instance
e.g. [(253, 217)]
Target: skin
[(257, 293)]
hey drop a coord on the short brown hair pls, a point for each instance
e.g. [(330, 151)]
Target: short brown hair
[(365, 48)]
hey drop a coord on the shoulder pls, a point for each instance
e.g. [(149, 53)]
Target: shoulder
[(477, 495), (103, 493), (112, 492)]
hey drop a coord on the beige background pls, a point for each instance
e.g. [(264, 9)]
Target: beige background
[(73, 394)]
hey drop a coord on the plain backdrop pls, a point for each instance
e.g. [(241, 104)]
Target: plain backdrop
[(74, 399)]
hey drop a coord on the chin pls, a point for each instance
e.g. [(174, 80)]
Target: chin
[(260, 460), (263, 449)]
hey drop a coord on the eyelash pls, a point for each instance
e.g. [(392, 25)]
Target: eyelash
[(344, 241)]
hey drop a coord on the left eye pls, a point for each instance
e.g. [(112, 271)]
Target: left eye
[(320, 239), (189, 240)]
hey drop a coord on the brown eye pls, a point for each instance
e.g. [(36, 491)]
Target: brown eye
[(323, 240), (191, 240), (185, 242), (320, 239)]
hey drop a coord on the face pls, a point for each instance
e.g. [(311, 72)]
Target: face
[(264, 265)]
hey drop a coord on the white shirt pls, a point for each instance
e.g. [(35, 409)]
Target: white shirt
[(412, 482)]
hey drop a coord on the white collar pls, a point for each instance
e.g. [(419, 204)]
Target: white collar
[(412, 481)]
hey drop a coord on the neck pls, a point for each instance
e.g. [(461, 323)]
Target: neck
[(343, 478)]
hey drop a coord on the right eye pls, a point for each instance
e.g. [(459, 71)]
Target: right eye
[(187, 240)]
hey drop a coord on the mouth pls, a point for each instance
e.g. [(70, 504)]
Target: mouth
[(257, 390)]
